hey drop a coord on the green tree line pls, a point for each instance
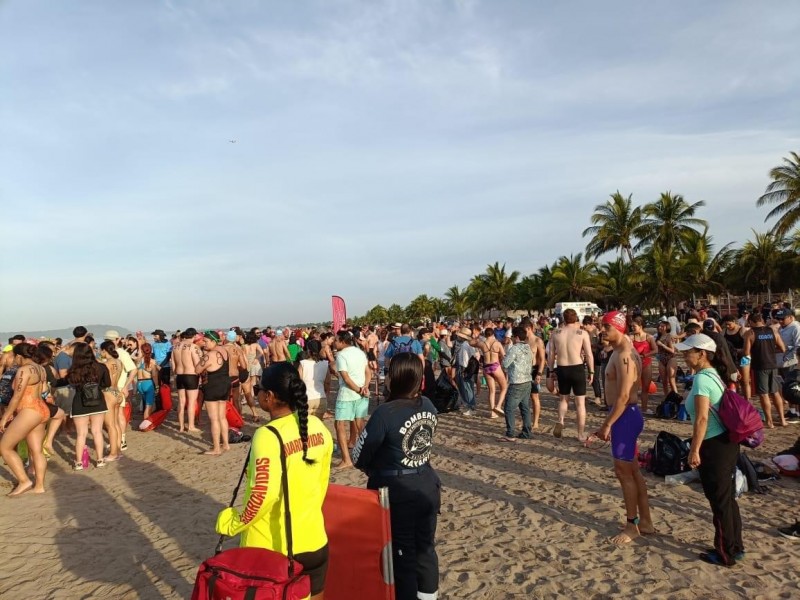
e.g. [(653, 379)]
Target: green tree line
[(662, 252)]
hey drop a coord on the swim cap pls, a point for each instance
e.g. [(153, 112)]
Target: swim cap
[(279, 332), (231, 335), (616, 319), (212, 335)]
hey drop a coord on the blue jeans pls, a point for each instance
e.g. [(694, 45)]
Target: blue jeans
[(518, 394), (466, 388)]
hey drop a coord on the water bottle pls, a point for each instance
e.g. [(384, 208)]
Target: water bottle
[(85, 457), (682, 478)]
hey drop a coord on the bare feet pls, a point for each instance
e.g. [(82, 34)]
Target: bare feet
[(629, 533), (498, 412), (36, 490), (646, 527), (226, 448), (212, 452), (194, 430), (583, 437), (344, 465), (21, 489)]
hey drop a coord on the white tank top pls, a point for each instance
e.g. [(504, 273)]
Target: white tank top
[(314, 377)]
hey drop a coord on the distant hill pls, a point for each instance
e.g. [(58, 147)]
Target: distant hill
[(64, 334)]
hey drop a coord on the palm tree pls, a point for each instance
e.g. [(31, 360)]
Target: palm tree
[(494, 288), (458, 299), (702, 271), (785, 192), (420, 308), (661, 268), (574, 280), (525, 294), (762, 257), (377, 314), (395, 314), (615, 225), (440, 307), (620, 283), (668, 220)]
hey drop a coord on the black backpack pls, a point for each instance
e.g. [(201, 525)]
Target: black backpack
[(750, 473), (472, 368), (670, 455), (668, 409), (444, 396), (90, 395)]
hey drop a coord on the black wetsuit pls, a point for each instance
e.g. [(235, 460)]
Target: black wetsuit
[(394, 450)]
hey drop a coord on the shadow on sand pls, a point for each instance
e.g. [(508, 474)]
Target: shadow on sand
[(150, 540)]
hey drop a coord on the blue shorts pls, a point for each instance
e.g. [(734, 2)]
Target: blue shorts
[(148, 391), (349, 410), (625, 432)]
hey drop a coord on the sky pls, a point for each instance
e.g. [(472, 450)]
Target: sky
[(382, 149)]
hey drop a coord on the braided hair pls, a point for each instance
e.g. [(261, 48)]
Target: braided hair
[(283, 380)]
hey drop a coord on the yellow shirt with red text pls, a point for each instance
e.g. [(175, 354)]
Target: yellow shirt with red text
[(261, 522)]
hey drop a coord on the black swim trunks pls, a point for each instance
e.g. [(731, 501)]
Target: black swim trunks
[(315, 565), (187, 382), (571, 380)]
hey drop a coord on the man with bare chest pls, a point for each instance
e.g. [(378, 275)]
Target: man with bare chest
[(570, 347), (623, 425), (184, 361), (278, 348), (539, 362)]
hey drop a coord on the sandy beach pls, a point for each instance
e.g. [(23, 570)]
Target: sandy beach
[(525, 520)]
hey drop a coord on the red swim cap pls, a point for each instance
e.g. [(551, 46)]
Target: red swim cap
[(617, 320)]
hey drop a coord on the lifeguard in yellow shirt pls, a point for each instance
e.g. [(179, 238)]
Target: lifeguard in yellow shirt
[(309, 448)]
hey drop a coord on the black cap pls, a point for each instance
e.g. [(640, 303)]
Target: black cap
[(782, 313), (159, 332)]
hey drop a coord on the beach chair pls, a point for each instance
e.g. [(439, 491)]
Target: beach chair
[(359, 543)]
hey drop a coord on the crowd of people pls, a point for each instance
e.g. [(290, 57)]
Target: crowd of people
[(289, 374)]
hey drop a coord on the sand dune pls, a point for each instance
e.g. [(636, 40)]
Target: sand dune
[(525, 520)]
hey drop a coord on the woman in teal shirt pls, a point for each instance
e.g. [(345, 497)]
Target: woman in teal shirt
[(712, 453)]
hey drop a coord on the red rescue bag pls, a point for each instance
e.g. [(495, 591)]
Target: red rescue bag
[(232, 574), (233, 417), (166, 397)]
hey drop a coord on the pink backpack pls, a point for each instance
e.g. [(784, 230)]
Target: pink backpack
[(738, 416)]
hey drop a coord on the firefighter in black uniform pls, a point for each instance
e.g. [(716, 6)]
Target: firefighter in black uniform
[(394, 450)]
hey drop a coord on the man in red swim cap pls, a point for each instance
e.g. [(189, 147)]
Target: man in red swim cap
[(623, 425)]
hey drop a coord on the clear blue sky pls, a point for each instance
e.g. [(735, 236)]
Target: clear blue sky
[(383, 149)]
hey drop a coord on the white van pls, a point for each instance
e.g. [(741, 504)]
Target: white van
[(582, 308)]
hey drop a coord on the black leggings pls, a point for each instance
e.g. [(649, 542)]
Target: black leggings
[(718, 458)]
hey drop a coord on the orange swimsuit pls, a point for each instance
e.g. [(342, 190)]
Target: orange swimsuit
[(30, 399)]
